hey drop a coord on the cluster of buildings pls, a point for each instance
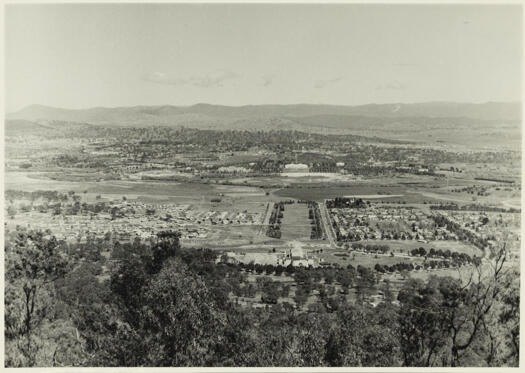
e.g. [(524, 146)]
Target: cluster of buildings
[(78, 228), (374, 222), (139, 220), (233, 170), (316, 168)]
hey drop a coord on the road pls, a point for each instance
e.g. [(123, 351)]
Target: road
[(266, 220), (325, 218)]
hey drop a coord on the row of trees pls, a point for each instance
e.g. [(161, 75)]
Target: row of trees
[(314, 214), (274, 224), (456, 257), (371, 248), (403, 267), (472, 207), (48, 195)]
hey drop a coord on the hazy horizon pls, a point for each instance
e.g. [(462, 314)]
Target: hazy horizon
[(79, 56), (269, 104)]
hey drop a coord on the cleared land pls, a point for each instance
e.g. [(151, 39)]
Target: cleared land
[(295, 224)]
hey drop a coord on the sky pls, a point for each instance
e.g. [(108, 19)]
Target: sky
[(79, 56)]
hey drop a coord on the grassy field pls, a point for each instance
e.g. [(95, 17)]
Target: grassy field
[(295, 224)]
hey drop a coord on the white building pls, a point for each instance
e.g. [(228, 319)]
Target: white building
[(298, 257), (296, 167)]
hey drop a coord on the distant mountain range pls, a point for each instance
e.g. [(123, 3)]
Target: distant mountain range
[(139, 115), (493, 124)]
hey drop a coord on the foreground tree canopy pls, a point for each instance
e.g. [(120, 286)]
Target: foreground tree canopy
[(158, 304)]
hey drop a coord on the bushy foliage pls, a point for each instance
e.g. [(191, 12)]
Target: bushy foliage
[(158, 304)]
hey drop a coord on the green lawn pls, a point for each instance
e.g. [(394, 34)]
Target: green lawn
[(295, 223)]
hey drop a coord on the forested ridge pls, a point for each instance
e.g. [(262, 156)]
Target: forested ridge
[(159, 304)]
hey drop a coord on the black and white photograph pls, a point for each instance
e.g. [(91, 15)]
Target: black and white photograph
[(277, 185)]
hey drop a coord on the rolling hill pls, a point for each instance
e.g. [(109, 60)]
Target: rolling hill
[(489, 124), (137, 114)]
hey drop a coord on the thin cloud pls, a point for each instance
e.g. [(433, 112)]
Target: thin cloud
[(212, 79), (327, 82)]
